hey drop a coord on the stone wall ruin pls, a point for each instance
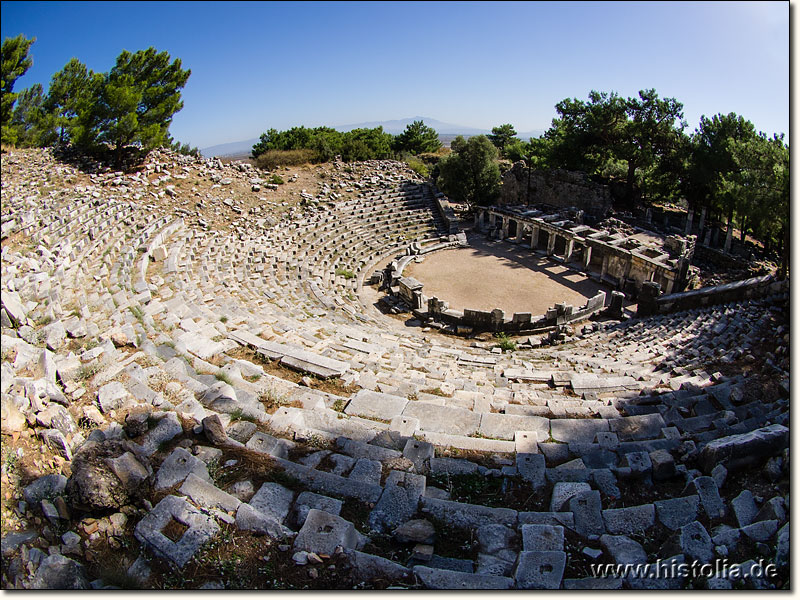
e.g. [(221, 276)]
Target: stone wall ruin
[(557, 188), (623, 261)]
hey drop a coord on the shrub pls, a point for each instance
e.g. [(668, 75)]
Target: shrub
[(505, 343), (276, 179), (274, 158), (346, 273), (419, 167)]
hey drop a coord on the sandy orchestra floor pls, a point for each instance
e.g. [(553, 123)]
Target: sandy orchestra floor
[(491, 274)]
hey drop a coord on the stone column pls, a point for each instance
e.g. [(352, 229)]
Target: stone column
[(728, 237), (689, 218), (492, 219), (482, 220), (570, 247), (702, 221), (670, 285), (551, 243), (520, 230), (604, 268), (617, 303), (587, 257), (504, 233), (534, 236), (478, 216)]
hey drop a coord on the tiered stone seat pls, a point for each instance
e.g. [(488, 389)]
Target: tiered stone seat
[(574, 429)]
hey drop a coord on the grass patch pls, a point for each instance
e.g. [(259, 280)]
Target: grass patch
[(42, 321), (272, 400), (137, 313), (86, 372), (274, 158), (238, 415), (346, 273), (222, 376), (435, 392)]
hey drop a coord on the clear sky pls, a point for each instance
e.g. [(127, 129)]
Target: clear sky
[(478, 64)]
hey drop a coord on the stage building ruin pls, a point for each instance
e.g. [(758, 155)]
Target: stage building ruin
[(619, 259)]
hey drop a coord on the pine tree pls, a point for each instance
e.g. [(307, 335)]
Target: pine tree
[(136, 102), (72, 91), (417, 138), (15, 62)]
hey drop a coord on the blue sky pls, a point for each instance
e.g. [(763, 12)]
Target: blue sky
[(478, 64)]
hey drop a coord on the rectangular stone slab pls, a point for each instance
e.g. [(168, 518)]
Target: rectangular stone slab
[(201, 529), (466, 443), (376, 405), (577, 430), (208, 495), (640, 427), (743, 448), (321, 366), (444, 419), (583, 382), (364, 347), (443, 579), (519, 374), (503, 427), (467, 516), (292, 356)]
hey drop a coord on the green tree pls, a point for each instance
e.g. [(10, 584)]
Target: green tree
[(517, 150), (72, 91), (137, 101), (758, 183), (651, 133), (417, 138), (470, 172), (595, 135), (32, 124), (366, 144), (713, 161), (502, 136), (15, 63), (267, 141)]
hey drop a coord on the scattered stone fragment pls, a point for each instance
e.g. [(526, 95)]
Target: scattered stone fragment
[(540, 570), (322, 532), (415, 531), (197, 527)]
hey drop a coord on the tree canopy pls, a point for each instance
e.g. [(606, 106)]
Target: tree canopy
[(608, 130), (15, 63), (325, 143), (128, 109), (502, 136), (470, 172), (71, 93), (417, 138), (137, 100)]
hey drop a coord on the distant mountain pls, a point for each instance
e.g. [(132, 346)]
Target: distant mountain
[(230, 149), (446, 130), (399, 125)]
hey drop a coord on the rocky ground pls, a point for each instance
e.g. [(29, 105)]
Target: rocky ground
[(192, 398)]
